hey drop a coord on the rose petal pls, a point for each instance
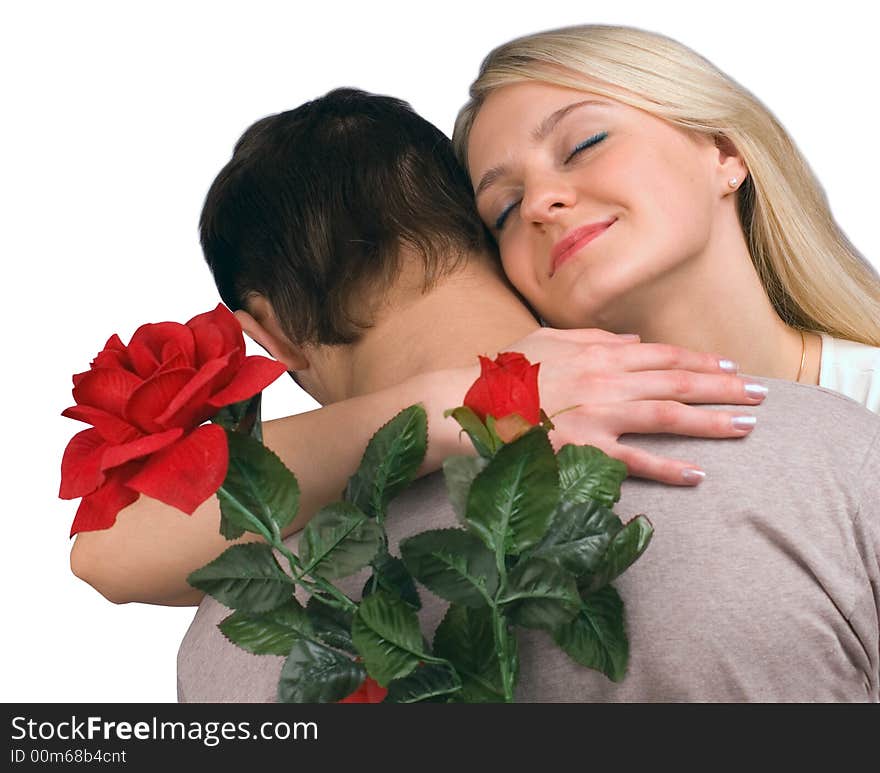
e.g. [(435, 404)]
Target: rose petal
[(110, 359), (106, 388), (478, 398), (530, 407), (149, 340), (510, 395), (113, 353), (115, 456), (513, 362), (185, 474), (99, 509), (209, 343), (505, 388), (370, 691), (224, 321), (143, 358), (114, 344), (81, 464), (112, 428), (183, 344), (255, 374), (179, 360), (152, 398), (189, 406)]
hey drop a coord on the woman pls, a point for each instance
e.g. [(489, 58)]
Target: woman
[(630, 185)]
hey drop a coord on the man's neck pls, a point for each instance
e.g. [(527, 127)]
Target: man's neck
[(470, 312)]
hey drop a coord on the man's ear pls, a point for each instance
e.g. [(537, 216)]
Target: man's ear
[(262, 326)]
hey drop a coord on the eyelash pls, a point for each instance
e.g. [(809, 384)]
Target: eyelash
[(587, 143)]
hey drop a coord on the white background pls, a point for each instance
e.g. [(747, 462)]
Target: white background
[(116, 118)]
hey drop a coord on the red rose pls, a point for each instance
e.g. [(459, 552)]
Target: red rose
[(370, 691), (145, 402), (506, 386)]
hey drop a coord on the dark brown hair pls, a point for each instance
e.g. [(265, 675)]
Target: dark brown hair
[(315, 203)]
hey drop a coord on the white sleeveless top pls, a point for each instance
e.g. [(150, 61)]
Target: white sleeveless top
[(851, 368)]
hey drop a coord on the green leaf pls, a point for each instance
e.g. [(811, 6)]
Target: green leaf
[(269, 633), (459, 473), (228, 529), (339, 541), (578, 536), (242, 417), (386, 632), (512, 501), (480, 436), (390, 462), (454, 564), (465, 638), (596, 637), (245, 577), (259, 494), (314, 673), (429, 680), (546, 595), (586, 473), (390, 574), (331, 625), (628, 544)]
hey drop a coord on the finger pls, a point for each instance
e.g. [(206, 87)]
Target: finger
[(689, 387), (639, 356), (666, 416), (642, 464), (592, 335)]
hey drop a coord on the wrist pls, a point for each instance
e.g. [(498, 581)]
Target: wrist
[(439, 391)]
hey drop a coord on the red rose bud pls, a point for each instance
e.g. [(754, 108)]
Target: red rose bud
[(146, 402), (370, 691), (509, 385)]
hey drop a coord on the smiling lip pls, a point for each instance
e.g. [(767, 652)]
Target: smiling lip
[(574, 240)]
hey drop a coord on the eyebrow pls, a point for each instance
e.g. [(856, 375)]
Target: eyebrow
[(538, 135)]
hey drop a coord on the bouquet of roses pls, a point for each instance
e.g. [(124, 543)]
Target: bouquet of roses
[(538, 545)]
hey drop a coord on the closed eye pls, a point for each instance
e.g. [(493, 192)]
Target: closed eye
[(587, 143), (499, 221), (581, 146)]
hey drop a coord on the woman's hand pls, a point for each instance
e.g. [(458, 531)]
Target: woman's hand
[(620, 386)]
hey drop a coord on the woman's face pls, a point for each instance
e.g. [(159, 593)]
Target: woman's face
[(591, 201)]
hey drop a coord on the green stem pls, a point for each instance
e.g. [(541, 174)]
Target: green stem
[(499, 625), (502, 647), (336, 597)]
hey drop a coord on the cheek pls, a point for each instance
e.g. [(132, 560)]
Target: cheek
[(520, 266), (680, 199)]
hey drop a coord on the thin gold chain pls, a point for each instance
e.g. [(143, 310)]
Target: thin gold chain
[(803, 356)]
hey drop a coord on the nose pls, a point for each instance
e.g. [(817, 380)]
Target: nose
[(545, 197)]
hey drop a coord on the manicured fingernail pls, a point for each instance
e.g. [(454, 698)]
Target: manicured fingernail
[(728, 366), (692, 476), (744, 422), (756, 390), (629, 336)]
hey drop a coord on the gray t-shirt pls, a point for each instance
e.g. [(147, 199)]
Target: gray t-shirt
[(760, 584)]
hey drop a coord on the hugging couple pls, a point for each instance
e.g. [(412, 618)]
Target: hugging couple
[(613, 185)]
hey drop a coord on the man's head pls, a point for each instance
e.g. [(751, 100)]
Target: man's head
[(317, 206)]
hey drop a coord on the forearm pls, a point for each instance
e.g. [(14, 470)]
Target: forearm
[(147, 555)]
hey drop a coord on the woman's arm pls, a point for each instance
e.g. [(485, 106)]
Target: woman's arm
[(148, 553), (621, 387)]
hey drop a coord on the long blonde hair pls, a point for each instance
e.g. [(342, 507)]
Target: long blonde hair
[(813, 275)]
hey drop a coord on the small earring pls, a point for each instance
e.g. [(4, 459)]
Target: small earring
[(732, 182)]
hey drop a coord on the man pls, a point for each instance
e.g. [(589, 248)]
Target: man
[(761, 584)]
